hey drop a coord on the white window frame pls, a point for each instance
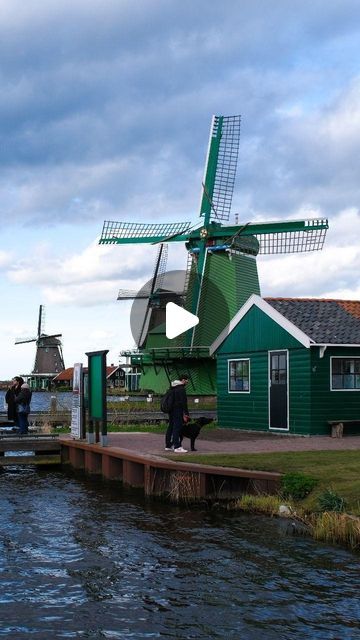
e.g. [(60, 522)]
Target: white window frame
[(331, 374), (239, 360)]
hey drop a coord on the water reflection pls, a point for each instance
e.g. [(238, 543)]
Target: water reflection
[(82, 559)]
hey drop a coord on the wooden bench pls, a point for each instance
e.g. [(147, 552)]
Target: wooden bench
[(338, 426)]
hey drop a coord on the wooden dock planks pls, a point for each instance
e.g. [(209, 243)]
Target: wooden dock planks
[(22, 450)]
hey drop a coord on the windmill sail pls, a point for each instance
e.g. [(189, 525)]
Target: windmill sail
[(288, 236), (41, 321), (135, 232), (158, 275), (155, 282), (220, 168)]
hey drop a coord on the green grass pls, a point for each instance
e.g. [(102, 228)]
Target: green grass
[(124, 428), (151, 428), (338, 470), (135, 406)]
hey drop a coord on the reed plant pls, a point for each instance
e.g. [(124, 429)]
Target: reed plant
[(336, 528), (184, 487), (266, 504)]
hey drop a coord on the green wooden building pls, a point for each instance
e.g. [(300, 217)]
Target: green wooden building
[(289, 365)]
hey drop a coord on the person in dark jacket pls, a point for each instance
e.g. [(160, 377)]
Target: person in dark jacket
[(22, 401), (13, 390), (178, 414)]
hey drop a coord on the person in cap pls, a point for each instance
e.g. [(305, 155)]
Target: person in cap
[(12, 391), (178, 414), (22, 402)]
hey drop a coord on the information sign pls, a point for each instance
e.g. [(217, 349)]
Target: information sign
[(76, 407)]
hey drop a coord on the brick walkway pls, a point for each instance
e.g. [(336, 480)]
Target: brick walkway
[(231, 441)]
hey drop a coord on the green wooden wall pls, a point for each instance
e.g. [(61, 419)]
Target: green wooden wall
[(202, 375), (236, 279), (327, 404), (253, 337)]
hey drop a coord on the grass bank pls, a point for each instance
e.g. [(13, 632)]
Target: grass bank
[(335, 470), (336, 476)]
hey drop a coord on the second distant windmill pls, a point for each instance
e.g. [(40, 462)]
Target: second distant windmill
[(49, 359)]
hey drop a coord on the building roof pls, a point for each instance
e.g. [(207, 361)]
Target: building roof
[(67, 374), (310, 320), (324, 321)]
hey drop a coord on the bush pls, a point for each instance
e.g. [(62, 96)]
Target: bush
[(331, 501), (297, 485)]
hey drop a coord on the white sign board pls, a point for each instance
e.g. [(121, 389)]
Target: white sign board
[(76, 407)]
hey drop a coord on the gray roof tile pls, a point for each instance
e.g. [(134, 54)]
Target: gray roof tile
[(324, 321)]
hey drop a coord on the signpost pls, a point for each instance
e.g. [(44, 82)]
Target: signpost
[(97, 397), (77, 402)]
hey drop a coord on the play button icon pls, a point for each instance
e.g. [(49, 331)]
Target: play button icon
[(161, 311), (178, 320)]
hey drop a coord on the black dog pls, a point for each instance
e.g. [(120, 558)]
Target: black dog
[(192, 429)]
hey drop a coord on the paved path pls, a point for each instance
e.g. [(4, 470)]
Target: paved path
[(231, 441)]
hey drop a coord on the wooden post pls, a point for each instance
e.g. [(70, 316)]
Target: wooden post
[(53, 404)]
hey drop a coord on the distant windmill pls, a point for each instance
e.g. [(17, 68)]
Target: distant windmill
[(49, 359)]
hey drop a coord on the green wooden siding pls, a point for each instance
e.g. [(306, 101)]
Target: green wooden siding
[(253, 338), (251, 410), (157, 338), (236, 279), (327, 404), (299, 390), (202, 374), (257, 332), (244, 410)]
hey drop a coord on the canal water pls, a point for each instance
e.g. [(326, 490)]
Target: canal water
[(81, 558), (40, 400)]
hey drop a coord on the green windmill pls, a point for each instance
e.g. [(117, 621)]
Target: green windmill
[(221, 270)]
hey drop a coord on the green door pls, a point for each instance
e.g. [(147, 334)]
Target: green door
[(278, 390)]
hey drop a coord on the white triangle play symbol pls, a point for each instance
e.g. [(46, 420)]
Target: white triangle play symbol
[(178, 320)]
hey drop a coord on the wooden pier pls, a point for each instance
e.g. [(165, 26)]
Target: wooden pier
[(176, 481), (29, 449), (155, 475)]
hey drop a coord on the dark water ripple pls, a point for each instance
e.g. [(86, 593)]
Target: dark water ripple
[(81, 559)]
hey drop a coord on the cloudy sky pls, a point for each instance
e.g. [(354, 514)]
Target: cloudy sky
[(105, 109)]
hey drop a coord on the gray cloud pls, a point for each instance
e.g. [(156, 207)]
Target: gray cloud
[(105, 107)]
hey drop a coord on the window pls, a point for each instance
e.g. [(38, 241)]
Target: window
[(239, 376), (278, 368), (345, 374)]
